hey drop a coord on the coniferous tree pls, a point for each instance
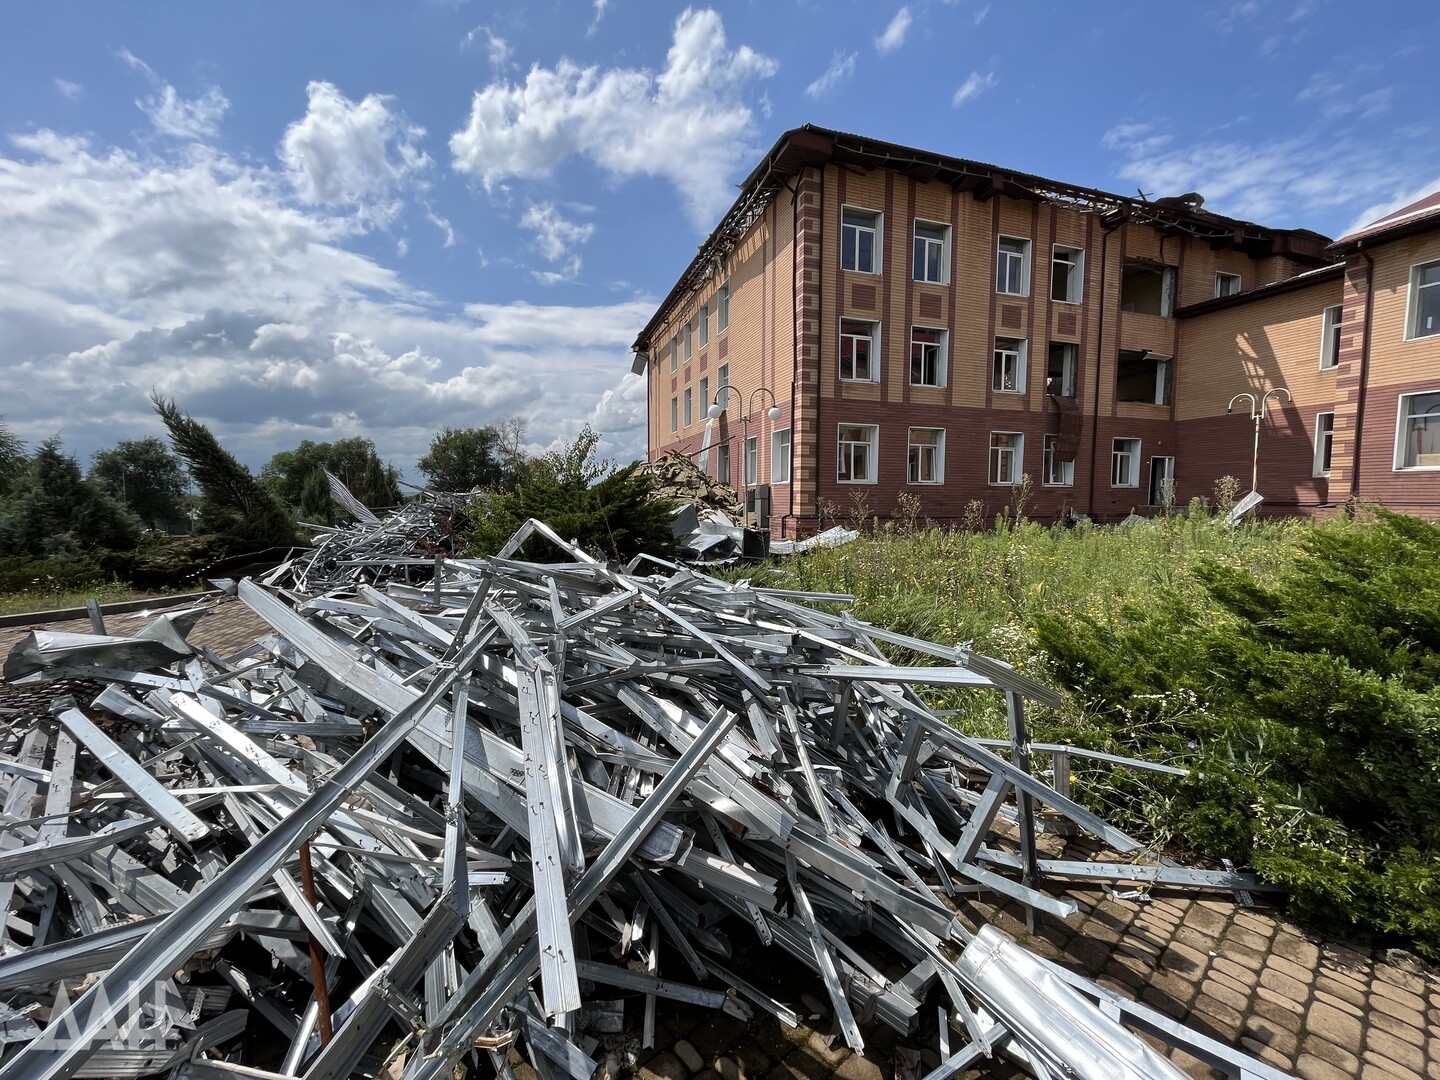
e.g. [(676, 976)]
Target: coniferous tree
[(52, 512)]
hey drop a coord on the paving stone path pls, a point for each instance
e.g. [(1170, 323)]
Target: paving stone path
[(1321, 1009)]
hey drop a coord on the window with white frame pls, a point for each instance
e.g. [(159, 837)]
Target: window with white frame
[(1425, 300), (674, 414), (780, 456), (860, 240), (689, 339), (722, 462), (856, 445), (1067, 274), (689, 407), (926, 455), (1125, 463), (1007, 457), (704, 325), (1147, 288), (1008, 369), (1324, 440), (722, 378), (674, 354), (932, 252), (927, 356), (1012, 266), (1417, 441), (1226, 284), (1054, 471), (1060, 369), (858, 350), (752, 460), (722, 308), (704, 395), (1330, 337)]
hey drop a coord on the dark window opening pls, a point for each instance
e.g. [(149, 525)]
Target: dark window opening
[(1143, 376), (1147, 288)]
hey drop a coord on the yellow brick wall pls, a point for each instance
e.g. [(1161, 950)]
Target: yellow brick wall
[(1393, 360)]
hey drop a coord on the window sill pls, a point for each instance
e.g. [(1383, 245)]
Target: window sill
[(924, 483), (865, 273), (927, 386), (1068, 303), (1017, 295), (860, 382), (860, 482), (929, 281), (1010, 393)]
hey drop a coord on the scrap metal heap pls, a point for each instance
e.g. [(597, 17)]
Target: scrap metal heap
[(484, 814)]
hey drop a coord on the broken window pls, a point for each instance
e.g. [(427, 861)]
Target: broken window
[(1162, 481), (1147, 288), (926, 455), (1330, 337), (1008, 376), (857, 344), (1143, 376), (1057, 473), (1060, 369), (1324, 440), (1067, 274), (927, 357), (860, 241)]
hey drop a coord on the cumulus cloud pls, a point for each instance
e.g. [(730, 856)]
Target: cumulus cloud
[(973, 87), (351, 152), (171, 114), (842, 66), (687, 123), (205, 277), (556, 238), (894, 34)]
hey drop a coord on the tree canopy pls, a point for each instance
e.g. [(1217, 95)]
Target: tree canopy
[(52, 512), (352, 460), (464, 459), (12, 458), (147, 478), (232, 501)]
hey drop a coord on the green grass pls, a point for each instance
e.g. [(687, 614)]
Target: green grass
[(48, 598)]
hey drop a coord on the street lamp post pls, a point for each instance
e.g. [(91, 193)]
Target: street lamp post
[(1258, 412), (717, 407)]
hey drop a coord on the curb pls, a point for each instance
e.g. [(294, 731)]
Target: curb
[(25, 618)]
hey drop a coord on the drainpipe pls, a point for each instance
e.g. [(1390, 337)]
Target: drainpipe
[(1099, 359), (1364, 367)]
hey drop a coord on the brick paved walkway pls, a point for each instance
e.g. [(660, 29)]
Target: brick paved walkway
[(1248, 977)]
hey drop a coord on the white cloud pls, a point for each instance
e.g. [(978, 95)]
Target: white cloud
[(443, 224), (842, 66), (171, 114), (973, 87), (497, 49), (600, 6), (1387, 207), (980, 14), (202, 276), (1134, 139), (688, 123), (348, 152), (71, 90), (554, 235), (894, 34)]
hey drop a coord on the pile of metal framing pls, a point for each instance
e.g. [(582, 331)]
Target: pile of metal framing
[(478, 814)]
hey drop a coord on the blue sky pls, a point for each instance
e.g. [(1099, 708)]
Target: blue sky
[(320, 220)]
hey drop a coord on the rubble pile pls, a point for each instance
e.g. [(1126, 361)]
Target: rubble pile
[(514, 808), (677, 477)]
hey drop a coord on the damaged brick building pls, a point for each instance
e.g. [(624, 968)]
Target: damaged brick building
[(878, 319)]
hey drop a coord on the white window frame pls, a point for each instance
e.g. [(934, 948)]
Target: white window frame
[(1222, 278), (722, 462), (872, 357), (689, 341), (1075, 294), (845, 452), (1020, 355), (674, 414), (1052, 467), (750, 465), (915, 451), (722, 308), (689, 406), (1404, 419), (943, 268), (876, 229), (1169, 471), (1005, 259), (999, 454), (942, 354), (780, 456), (722, 378), (1132, 453), (1412, 312), (675, 353), (1324, 443), (704, 396), (1068, 368), (704, 325), (1330, 326)]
